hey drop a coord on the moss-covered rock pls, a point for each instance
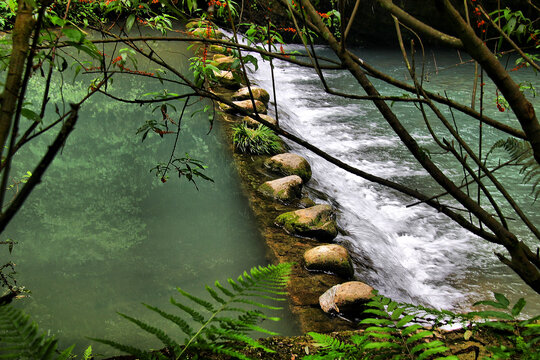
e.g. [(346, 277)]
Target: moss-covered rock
[(227, 79), (258, 94), (330, 258), (199, 23), (346, 298), (316, 222), (252, 123), (284, 189), (306, 202), (224, 62), (290, 164), (248, 106), (206, 33)]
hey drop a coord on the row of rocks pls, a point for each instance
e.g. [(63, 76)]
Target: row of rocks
[(316, 221)]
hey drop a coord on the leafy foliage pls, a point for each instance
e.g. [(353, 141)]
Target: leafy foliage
[(19, 338), (185, 166), (522, 337), (259, 141), (218, 332), (521, 153), (395, 332), (391, 334)]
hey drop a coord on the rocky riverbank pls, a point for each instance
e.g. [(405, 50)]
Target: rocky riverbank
[(295, 229)]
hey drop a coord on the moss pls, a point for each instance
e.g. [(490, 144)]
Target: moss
[(288, 220), (303, 171)]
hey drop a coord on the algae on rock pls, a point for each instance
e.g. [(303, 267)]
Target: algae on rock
[(317, 222)]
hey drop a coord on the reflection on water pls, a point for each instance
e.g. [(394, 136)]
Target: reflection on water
[(101, 234)]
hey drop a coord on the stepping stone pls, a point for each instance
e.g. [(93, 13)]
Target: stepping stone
[(258, 94), (285, 189), (346, 298), (290, 164), (316, 222), (330, 258)]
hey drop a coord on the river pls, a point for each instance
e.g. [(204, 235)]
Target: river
[(411, 254)]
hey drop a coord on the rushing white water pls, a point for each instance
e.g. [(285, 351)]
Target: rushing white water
[(410, 254)]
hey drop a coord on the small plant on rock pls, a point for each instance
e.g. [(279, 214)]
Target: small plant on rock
[(259, 141)]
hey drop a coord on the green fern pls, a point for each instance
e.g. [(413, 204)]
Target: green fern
[(521, 337), (218, 330), (390, 334), (20, 339), (521, 153)]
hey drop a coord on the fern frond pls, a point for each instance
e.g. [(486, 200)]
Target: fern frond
[(215, 295), (160, 334), (520, 151), (218, 332), (182, 324), (207, 305), (327, 341), (140, 354), (223, 289), (19, 338), (195, 315)]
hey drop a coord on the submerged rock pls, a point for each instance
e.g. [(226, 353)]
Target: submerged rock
[(346, 298), (258, 94), (306, 202), (332, 258), (285, 189), (248, 106), (290, 164), (252, 123), (317, 222)]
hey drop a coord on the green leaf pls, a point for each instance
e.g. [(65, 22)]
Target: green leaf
[(516, 310), (492, 314), (397, 313), (377, 321), (419, 335), (380, 313), (405, 320), (497, 325), (490, 303), (73, 34), (502, 299), (427, 345), (30, 115), (129, 22), (410, 329), (380, 345)]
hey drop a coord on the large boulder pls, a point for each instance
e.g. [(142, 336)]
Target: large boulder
[(252, 123), (285, 189), (346, 298), (248, 106), (290, 164), (258, 94), (317, 222), (330, 258)]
